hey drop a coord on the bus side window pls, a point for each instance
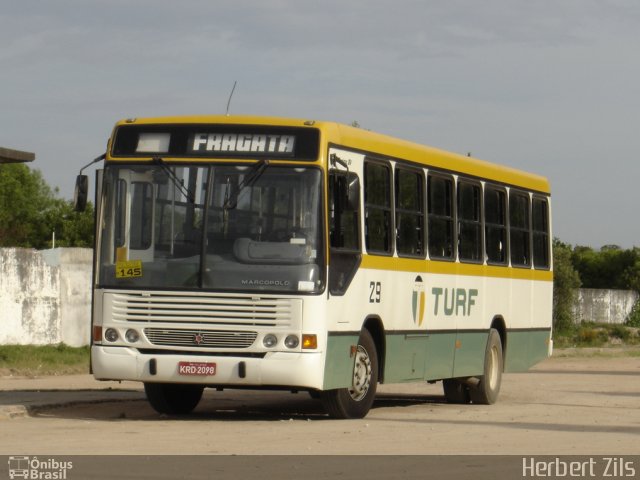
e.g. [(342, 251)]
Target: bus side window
[(520, 229), (440, 210), (540, 214), (377, 200), (469, 222), (409, 213), (495, 217)]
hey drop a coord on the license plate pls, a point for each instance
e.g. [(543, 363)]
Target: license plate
[(197, 368)]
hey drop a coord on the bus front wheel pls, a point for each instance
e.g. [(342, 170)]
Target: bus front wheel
[(173, 399), (356, 401), (488, 388)]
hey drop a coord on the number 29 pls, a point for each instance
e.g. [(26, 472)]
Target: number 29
[(375, 292)]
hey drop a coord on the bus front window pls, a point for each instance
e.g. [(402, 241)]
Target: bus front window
[(221, 228)]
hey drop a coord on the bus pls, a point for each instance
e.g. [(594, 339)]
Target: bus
[(272, 253)]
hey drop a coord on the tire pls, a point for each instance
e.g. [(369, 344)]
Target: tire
[(455, 391), (173, 399), (488, 388), (356, 401)]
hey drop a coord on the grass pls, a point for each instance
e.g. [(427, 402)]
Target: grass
[(597, 335), (32, 360)]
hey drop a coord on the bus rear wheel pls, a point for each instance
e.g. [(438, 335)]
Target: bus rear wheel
[(356, 401), (173, 399), (488, 388)]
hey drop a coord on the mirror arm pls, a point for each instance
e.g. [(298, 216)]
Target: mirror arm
[(95, 160), (337, 160)]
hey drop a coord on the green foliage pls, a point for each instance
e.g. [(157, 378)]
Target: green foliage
[(597, 335), (621, 332), (73, 229), (30, 212), (591, 337), (610, 267), (566, 281), (633, 320), (631, 274), (24, 197)]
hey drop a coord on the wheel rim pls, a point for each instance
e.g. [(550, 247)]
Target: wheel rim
[(493, 373), (361, 375)]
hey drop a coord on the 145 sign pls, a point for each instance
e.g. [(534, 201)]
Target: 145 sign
[(129, 269)]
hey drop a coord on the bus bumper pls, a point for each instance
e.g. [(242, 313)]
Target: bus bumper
[(276, 369)]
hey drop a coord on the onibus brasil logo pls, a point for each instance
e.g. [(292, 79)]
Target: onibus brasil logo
[(40, 469)]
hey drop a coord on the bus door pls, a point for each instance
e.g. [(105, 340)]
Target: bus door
[(133, 233)]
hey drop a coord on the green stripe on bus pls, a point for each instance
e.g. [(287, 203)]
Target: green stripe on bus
[(338, 369), (525, 349), (415, 356)]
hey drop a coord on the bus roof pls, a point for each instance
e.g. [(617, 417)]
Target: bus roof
[(364, 140)]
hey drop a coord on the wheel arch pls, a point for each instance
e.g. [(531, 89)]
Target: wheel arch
[(500, 325), (374, 325)]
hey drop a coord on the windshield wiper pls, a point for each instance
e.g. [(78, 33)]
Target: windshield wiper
[(231, 200), (176, 181)]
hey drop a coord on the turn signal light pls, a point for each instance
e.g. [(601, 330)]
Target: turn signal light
[(309, 342), (97, 334)]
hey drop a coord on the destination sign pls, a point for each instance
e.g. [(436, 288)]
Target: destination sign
[(216, 141), (243, 143)]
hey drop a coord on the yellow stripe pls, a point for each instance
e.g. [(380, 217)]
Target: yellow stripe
[(452, 268), (433, 157)]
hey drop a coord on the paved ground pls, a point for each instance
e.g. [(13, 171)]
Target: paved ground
[(563, 406)]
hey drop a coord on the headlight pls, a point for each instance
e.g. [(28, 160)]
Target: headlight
[(111, 335), (270, 340), (292, 341), (132, 336)]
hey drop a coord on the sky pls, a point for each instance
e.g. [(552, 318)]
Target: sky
[(547, 86)]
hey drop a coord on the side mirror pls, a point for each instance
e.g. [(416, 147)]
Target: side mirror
[(81, 193)]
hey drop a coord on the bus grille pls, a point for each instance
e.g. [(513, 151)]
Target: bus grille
[(206, 309), (198, 338)]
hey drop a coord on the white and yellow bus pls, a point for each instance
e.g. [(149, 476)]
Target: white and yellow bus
[(271, 253)]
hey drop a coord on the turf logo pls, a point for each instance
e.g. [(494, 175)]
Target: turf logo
[(418, 301)]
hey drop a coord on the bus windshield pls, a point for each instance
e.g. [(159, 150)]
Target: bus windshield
[(243, 227)]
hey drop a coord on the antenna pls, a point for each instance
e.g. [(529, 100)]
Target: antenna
[(231, 95)]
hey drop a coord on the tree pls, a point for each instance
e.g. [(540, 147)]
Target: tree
[(611, 267), (631, 275), (30, 212), (72, 229), (566, 281), (24, 197)]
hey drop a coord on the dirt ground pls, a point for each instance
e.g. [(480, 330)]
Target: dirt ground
[(574, 405)]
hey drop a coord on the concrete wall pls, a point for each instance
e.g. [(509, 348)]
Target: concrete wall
[(45, 296), (604, 306)]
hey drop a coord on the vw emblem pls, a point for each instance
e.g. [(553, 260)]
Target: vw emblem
[(198, 338)]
